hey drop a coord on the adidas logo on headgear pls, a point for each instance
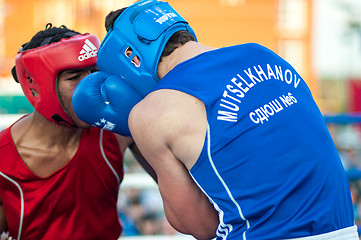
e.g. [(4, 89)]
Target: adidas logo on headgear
[(88, 51)]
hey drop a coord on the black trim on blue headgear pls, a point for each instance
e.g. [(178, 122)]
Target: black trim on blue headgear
[(144, 27)]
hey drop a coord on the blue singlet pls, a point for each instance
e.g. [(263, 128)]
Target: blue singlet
[(268, 164)]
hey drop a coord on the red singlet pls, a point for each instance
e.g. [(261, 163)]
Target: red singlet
[(76, 202)]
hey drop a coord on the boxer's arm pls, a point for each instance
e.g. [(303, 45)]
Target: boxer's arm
[(3, 223), (186, 207)]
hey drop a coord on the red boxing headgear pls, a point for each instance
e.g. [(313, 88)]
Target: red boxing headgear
[(37, 69)]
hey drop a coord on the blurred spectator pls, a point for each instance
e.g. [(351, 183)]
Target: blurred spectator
[(141, 210), (141, 213), (347, 138), (350, 157), (148, 224), (130, 210), (348, 141)]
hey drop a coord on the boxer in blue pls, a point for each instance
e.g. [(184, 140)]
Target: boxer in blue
[(236, 124)]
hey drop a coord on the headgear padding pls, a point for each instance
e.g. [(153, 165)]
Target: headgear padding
[(145, 27), (37, 69)]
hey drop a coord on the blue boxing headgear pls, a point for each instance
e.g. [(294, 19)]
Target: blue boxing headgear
[(144, 27)]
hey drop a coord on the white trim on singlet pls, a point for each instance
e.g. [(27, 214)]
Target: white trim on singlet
[(222, 181), (21, 204), (223, 229), (105, 157)]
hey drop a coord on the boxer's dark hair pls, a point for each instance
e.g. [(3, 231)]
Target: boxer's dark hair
[(111, 17), (176, 40), (49, 35)]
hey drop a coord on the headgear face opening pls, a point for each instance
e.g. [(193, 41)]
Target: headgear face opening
[(144, 28), (37, 72)]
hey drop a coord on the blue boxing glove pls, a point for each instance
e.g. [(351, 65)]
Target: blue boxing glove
[(105, 101)]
